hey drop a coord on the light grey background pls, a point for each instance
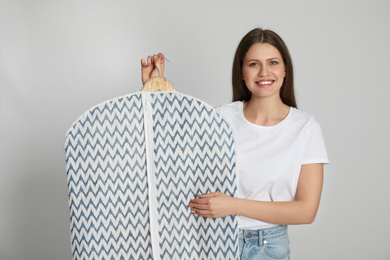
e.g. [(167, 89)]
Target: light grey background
[(59, 58)]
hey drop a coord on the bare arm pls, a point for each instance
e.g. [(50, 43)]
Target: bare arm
[(301, 211)]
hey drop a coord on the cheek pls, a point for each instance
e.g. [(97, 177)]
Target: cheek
[(280, 73), (248, 74), (243, 74)]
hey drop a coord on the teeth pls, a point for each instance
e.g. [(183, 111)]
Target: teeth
[(265, 82)]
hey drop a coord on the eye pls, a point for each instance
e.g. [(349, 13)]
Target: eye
[(273, 62), (253, 64)]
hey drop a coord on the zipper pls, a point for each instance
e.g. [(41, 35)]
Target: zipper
[(150, 171)]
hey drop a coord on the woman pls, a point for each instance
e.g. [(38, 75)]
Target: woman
[(280, 149)]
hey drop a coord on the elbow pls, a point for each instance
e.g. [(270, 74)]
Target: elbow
[(308, 218), (305, 215)]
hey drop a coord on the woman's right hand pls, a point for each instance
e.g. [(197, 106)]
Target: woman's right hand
[(152, 67)]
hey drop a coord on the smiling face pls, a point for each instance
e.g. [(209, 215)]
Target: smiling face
[(263, 70)]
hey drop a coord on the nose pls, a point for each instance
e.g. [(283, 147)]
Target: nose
[(263, 71)]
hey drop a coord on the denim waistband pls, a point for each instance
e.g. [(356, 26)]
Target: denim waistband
[(262, 234)]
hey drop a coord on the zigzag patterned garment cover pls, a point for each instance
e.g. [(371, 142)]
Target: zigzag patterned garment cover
[(133, 165)]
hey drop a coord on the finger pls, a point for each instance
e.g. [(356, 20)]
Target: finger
[(149, 60), (202, 213), (160, 59), (199, 206), (146, 69), (205, 215), (199, 201), (208, 195), (155, 58), (161, 63)]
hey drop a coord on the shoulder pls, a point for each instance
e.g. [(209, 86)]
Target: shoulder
[(230, 108), (231, 112), (307, 122), (314, 144), (302, 117)]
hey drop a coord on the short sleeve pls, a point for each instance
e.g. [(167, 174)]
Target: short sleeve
[(219, 108), (314, 146)]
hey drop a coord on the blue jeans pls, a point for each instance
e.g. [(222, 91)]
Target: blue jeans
[(271, 243)]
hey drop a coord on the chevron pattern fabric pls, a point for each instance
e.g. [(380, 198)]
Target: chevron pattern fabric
[(133, 165)]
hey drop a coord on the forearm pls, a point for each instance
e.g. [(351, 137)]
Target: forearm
[(217, 205), (282, 213), (301, 211)]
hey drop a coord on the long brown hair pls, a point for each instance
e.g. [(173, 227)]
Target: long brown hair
[(257, 35)]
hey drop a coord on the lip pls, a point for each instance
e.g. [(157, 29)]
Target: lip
[(265, 83)]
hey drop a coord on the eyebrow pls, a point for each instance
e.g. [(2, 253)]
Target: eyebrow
[(274, 58)]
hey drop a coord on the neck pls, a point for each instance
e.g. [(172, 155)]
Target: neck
[(265, 112)]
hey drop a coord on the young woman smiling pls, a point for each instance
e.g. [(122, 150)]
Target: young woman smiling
[(280, 149)]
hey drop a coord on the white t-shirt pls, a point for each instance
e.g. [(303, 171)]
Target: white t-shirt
[(269, 158)]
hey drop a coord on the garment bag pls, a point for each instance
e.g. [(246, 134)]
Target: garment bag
[(133, 165)]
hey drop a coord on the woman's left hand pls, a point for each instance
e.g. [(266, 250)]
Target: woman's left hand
[(213, 205)]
